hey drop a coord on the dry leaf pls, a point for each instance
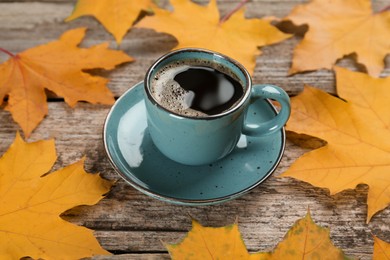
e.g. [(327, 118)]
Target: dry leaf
[(305, 240), (117, 16), (357, 135), (199, 26), (57, 66), (338, 28), (211, 243), (31, 203), (381, 250)]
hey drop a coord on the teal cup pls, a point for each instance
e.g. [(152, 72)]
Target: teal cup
[(199, 140)]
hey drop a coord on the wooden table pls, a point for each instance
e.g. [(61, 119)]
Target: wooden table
[(132, 225)]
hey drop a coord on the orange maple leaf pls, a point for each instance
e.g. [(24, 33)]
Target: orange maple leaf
[(381, 250), (199, 26), (338, 28), (31, 202), (57, 66), (117, 16), (357, 135), (304, 240)]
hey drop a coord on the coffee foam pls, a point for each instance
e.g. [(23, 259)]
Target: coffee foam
[(168, 93)]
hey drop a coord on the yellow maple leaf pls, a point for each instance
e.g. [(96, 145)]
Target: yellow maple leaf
[(381, 250), (357, 135), (211, 243), (305, 240), (31, 202), (57, 66), (117, 16), (199, 26), (338, 28)]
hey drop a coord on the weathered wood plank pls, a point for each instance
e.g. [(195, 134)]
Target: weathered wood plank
[(128, 221), (140, 256), (268, 213), (43, 22), (132, 224)]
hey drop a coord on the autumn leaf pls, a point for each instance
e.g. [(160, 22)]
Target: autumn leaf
[(338, 28), (357, 132), (57, 66), (199, 26), (381, 250), (31, 202), (117, 16), (305, 240), (211, 243)]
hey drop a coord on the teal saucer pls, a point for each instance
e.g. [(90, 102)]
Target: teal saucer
[(136, 159)]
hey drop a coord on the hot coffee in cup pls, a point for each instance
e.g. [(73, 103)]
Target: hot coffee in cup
[(196, 88), (196, 101)]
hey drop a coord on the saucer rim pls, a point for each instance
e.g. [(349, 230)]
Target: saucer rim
[(183, 201)]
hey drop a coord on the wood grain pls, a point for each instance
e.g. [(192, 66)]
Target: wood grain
[(134, 226)]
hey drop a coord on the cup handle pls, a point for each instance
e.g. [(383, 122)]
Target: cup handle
[(273, 92)]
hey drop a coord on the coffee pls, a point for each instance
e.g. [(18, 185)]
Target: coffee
[(196, 88)]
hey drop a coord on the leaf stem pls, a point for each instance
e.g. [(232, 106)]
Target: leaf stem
[(235, 9), (7, 52), (387, 8)]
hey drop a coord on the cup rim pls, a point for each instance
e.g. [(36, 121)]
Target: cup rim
[(237, 105)]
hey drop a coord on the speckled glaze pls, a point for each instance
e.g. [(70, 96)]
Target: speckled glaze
[(204, 140), (137, 160)]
